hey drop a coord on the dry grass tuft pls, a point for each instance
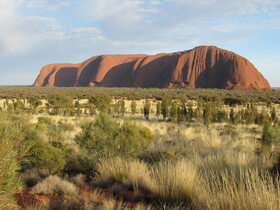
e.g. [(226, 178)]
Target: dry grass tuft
[(39, 206), (176, 181), (91, 200), (248, 190), (112, 204), (79, 180), (32, 176), (120, 170), (55, 185)]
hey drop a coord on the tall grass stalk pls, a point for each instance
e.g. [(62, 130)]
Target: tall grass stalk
[(249, 190), (121, 170), (176, 181), (9, 165)]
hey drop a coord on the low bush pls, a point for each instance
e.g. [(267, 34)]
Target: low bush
[(106, 138), (43, 155), (40, 153), (271, 134), (79, 162)]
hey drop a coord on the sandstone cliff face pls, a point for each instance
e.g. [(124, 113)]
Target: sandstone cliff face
[(201, 67)]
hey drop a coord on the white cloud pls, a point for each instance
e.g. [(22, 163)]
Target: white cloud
[(141, 20), (120, 19), (46, 4), (220, 8), (132, 23), (128, 26), (155, 2), (19, 35)]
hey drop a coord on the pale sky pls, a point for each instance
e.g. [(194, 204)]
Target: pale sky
[(37, 32)]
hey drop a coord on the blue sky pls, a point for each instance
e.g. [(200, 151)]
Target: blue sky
[(37, 32)]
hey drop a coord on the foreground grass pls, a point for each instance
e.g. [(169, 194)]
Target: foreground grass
[(181, 166), (181, 183), (10, 156)]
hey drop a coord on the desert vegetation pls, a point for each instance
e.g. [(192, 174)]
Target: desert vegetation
[(98, 148)]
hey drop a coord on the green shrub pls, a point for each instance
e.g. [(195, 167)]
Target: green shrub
[(41, 154), (57, 103), (101, 102), (271, 134), (36, 152), (105, 138), (54, 132), (79, 162)]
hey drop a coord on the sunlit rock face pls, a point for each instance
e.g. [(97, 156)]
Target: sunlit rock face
[(201, 67)]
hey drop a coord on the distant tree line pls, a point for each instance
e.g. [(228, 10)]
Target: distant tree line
[(205, 109)]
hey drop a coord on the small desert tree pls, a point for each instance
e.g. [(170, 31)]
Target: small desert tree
[(34, 102), (207, 113), (133, 107), (101, 102), (173, 111), (158, 109), (147, 107), (18, 106), (122, 107), (58, 103), (165, 103), (273, 115), (232, 116)]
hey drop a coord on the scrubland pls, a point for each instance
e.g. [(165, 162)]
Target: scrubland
[(217, 151)]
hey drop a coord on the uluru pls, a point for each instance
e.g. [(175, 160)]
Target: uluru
[(201, 67)]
